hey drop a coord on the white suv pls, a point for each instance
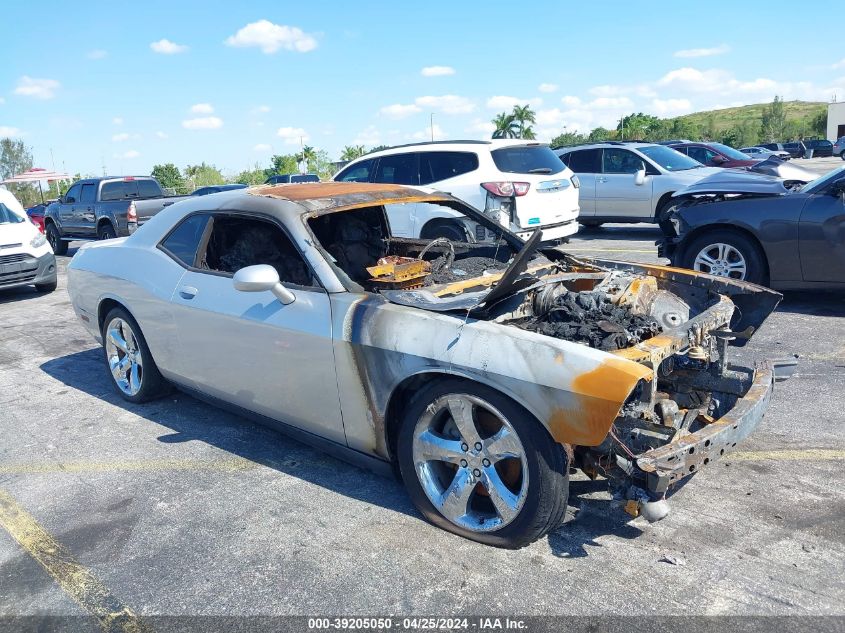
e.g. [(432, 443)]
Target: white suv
[(522, 184), (25, 256), (629, 181)]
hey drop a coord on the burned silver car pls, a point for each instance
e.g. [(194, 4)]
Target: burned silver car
[(480, 371)]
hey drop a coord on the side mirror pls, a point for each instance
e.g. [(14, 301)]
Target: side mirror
[(68, 200), (261, 278), (639, 175)]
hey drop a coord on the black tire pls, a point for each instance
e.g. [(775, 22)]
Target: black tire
[(153, 384), (106, 232), (842, 155), (443, 228), (661, 214), (58, 245), (756, 269), (590, 224), (50, 286), (544, 506)]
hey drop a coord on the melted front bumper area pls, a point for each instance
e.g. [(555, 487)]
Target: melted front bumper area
[(660, 468)]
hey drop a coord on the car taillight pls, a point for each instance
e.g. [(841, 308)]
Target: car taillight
[(507, 189), (131, 212)]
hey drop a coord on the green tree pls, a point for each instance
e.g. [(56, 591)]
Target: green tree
[(684, 129), (600, 134), (308, 155), (818, 124), (203, 175), (169, 177), (637, 126), (283, 164), (351, 152), (377, 148), (15, 158), (566, 138), (255, 176), (523, 115), (773, 124), (506, 126)]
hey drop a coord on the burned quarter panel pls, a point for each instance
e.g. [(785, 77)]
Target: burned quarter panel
[(576, 392)]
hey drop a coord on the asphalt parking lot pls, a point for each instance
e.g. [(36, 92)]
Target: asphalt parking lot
[(177, 508)]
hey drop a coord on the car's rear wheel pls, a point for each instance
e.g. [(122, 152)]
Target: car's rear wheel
[(106, 232), (54, 238), (726, 253), (132, 368), (842, 155), (443, 228), (477, 464)]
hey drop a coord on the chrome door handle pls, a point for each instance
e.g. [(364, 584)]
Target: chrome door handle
[(188, 292)]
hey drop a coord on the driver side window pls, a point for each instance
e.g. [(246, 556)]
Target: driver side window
[(72, 194), (620, 161), (238, 241)]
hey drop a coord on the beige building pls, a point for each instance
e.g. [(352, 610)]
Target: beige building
[(835, 120)]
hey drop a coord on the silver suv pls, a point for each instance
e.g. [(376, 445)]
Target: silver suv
[(629, 181), (839, 147)]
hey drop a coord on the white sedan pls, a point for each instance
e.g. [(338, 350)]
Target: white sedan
[(763, 153)]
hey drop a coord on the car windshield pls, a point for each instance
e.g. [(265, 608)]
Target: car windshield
[(7, 216), (669, 159), (821, 183), (527, 159), (730, 152)]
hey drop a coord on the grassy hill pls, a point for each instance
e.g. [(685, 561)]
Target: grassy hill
[(727, 118)]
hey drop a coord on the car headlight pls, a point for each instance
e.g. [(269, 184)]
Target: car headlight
[(38, 241), (575, 182)]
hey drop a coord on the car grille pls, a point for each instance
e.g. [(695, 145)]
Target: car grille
[(8, 259)]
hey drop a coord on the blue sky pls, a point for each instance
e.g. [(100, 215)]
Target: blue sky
[(129, 85)]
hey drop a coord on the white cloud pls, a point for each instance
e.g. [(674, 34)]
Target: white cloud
[(293, 135), (119, 138), (569, 100), (400, 111), (839, 64), (128, 154), (481, 128), (262, 147), (607, 103), (703, 52), (166, 47), (37, 88), (448, 104), (117, 120), (671, 107), (202, 108), (507, 103), (6, 130), (548, 87), (437, 71), (161, 135), (97, 53), (717, 81), (426, 134), (368, 137), (203, 123), (271, 37), (262, 109)]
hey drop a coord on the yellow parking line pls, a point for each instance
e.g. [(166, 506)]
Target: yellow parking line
[(806, 454), (74, 579), (221, 465)]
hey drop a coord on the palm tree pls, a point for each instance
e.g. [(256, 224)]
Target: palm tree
[(308, 155), (351, 152), (522, 115), (528, 134), (506, 126)]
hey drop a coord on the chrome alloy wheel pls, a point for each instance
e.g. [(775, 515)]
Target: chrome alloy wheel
[(470, 462), (124, 356), (722, 260)]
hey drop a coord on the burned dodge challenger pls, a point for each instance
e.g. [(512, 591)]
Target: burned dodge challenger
[(480, 371)]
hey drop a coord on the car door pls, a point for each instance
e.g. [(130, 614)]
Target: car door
[(821, 235), (399, 169), (617, 193), (67, 210), (451, 172), (84, 210), (586, 164), (247, 348)]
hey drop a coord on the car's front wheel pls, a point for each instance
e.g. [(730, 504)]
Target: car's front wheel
[(477, 464), (54, 238), (726, 253), (132, 368)]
